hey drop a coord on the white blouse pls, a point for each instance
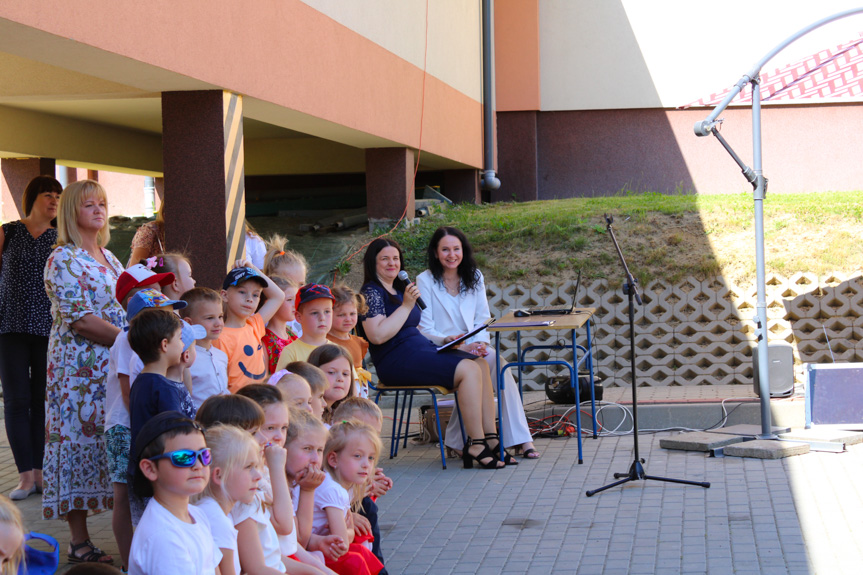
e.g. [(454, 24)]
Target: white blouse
[(447, 315)]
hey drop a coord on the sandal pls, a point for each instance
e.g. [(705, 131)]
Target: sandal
[(486, 455), (94, 555), (530, 453), (508, 459)]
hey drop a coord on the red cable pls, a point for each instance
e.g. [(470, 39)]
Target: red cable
[(419, 147)]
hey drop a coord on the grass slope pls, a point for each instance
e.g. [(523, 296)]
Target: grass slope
[(662, 236)]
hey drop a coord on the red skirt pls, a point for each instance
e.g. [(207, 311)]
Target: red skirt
[(357, 561)]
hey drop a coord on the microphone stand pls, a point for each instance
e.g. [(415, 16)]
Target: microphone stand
[(755, 176), (636, 470)]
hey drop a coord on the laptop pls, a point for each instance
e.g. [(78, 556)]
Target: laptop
[(557, 309)]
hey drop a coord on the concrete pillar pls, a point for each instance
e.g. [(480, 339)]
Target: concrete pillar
[(16, 174), (461, 186), (517, 156), (204, 180), (389, 184)]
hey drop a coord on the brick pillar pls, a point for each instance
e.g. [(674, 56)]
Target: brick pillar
[(461, 186), (204, 181), (16, 174), (517, 156), (389, 184)]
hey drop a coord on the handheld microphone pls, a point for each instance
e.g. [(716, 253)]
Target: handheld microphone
[(403, 275)]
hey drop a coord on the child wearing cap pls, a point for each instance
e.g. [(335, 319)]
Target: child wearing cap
[(315, 314), (210, 371), (172, 464), (117, 424), (241, 337)]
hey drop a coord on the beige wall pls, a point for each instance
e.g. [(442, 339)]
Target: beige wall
[(454, 34), (614, 54)]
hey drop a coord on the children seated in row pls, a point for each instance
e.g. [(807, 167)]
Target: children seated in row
[(245, 324)]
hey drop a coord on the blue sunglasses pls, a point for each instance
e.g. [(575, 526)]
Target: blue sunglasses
[(186, 457)]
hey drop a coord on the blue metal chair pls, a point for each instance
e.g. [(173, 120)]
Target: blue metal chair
[(407, 401)]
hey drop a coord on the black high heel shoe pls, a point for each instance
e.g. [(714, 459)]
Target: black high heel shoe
[(485, 454), (508, 459)]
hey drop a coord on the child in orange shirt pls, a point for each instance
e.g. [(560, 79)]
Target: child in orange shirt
[(241, 337), (348, 306)]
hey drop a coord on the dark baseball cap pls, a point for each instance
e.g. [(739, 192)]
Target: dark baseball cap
[(155, 427), (310, 292), (239, 275)]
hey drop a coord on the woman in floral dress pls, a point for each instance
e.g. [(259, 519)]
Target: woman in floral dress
[(80, 278)]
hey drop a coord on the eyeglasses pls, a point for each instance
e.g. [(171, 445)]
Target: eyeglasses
[(186, 457)]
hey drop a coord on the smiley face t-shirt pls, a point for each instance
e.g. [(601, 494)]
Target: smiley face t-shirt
[(245, 353)]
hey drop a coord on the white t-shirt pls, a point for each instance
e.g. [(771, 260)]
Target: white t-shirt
[(224, 532), (209, 374), (165, 545), (266, 531), (118, 363), (256, 250), (328, 494)]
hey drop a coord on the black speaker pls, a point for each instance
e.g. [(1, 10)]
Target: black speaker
[(558, 390), (780, 356)]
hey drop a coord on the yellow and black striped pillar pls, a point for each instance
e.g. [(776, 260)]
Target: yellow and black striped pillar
[(202, 146), (235, 181)]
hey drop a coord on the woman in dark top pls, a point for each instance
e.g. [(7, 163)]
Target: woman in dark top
[(401, 353), (25, 322)]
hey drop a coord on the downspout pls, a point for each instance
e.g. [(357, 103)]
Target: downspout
[(489, 180)]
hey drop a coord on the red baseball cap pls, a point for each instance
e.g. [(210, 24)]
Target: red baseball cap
[(138, 275)]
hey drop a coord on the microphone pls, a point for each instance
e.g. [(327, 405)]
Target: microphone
[(403, 275)]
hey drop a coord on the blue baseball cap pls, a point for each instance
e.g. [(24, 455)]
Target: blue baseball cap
[(239, 275), (150, 298), (191, 333)]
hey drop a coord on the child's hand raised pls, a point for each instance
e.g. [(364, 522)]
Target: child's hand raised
[(276, 456), (379, 484), (309, 478)]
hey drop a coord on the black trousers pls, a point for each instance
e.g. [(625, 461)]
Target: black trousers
[(23, 373), (370, 512)]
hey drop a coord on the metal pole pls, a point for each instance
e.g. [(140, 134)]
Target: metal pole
[(760, 275), (149, 196)]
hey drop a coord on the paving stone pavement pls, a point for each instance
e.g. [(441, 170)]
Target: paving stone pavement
[(793, 516)]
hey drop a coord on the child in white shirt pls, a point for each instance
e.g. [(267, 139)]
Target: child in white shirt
[(234, 476), (172, 465), (210, 370), (350, 459)]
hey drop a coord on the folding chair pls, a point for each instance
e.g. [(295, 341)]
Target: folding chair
[(408, 399)]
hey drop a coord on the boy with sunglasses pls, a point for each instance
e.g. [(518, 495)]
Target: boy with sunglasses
[(172, 466)]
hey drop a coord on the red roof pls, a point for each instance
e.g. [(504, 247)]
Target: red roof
[(834, 73)]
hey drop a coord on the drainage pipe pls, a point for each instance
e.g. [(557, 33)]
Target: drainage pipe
[(489, 179)]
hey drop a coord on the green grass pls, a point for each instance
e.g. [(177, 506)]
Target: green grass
[(538, 241)]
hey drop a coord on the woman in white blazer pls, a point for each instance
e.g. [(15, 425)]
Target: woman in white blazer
[(454, 291)]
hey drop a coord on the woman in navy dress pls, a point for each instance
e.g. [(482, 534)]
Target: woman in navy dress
[(402, 354)]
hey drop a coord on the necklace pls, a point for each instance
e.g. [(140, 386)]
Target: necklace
[(452, 286)]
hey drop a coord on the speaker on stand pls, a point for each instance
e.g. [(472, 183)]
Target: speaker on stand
[(780, 371)]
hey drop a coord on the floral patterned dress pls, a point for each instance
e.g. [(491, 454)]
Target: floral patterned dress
[(75, 467)]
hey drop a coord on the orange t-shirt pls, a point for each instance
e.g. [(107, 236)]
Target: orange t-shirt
[(356, 345), (245, 353)]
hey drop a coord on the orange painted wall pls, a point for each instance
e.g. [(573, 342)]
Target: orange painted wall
[(280, 51), (516, 52)]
